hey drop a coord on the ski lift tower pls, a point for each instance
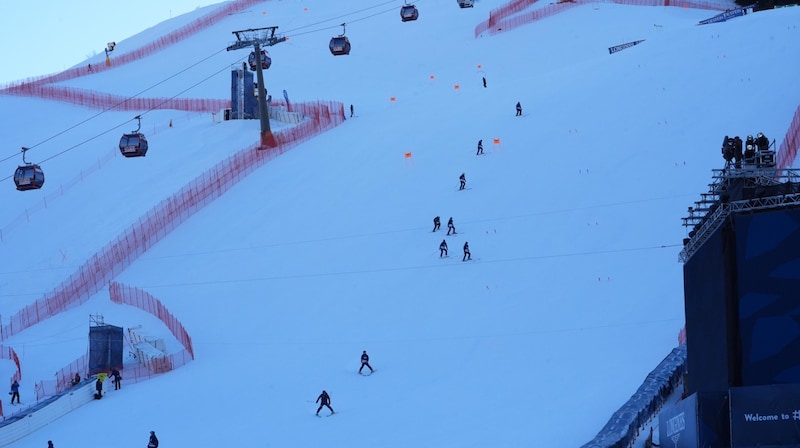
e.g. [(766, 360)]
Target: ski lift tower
[(256, 38)]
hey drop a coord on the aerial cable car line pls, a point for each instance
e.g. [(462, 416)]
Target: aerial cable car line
[(194, 85), (341, 16), (126, 122), (156, 107), (398, 268), (408, 268), (115, 106), (291, 33), (203, 60)]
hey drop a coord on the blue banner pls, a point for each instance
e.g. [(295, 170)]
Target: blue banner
[(620, 47), (721, 17)]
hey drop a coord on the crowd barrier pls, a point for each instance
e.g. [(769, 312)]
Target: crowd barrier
[(159, 44), (512, 14), (626, 423), (111, 260)]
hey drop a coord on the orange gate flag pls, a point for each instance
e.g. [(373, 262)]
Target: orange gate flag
[(407, 155)]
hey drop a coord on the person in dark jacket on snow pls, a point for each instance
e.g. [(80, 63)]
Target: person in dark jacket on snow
[(450, 226), (436, 223), (463, 181), (365, 362), (519, 109), (467, 254), (324, 400), (117, 379), (443, 249), (98, 387), (153, 442), (480, 148), (14, 391)]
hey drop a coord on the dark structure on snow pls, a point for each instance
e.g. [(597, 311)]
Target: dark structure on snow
[(742, 303), (105, 348)]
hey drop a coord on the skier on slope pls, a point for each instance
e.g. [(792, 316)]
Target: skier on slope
[(467, 254), (153, 442), (436, 224), (365, 362), (463, 181), (14, 391), (443, 249), (324, 400), (480, 147), (451, 226), (519, 109)]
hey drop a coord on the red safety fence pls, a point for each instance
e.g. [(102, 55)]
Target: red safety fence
[(162, 219), (159, 44), (9, 354), (131, 373), (108, 101), (126, 295), (787, 152), (512, 14)]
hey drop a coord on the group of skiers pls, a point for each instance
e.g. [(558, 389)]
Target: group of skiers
[(443, 245), (443, 250), (324, 399), (735, 151)]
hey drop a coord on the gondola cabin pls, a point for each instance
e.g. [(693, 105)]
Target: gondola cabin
[(133, 145), (408, 13), (466, 3), (29, 177), (340, 45), (266, 61)]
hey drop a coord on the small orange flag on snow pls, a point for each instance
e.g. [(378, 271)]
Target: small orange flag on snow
[(407, 155)]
